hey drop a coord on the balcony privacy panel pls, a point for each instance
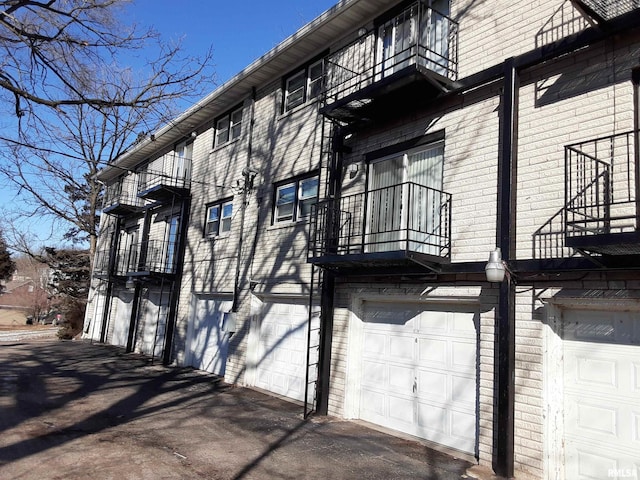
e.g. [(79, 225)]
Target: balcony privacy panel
[(405, 217), (601, 186), (419, 35), (171, 171), (123, 192)]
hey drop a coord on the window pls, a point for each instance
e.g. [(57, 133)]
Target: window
[(303, 85), (293, 199), (228, 127), (218, 219)]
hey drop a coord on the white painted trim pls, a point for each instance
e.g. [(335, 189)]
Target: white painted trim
[(599, 303), (436, 300), (553, 395)]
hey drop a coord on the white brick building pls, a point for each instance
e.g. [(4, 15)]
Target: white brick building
[(318, 227)]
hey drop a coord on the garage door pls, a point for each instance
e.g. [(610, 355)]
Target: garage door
[(418, 373), (601, 394), (120, 318), (207, 344), (282, 349), (152, 321)]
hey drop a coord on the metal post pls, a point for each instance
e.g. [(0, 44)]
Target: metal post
[(505, 369)]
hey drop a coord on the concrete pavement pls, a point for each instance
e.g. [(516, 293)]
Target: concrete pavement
[(72, 410)]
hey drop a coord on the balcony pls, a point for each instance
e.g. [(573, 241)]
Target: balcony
[(166, 177), (121, 198), (601, 195), (396, 226), (412, 57), (605, 10), (150, 258)]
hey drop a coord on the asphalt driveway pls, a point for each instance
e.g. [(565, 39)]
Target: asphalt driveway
[(72, 410)]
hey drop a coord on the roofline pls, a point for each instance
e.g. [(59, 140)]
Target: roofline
[(140, 149)]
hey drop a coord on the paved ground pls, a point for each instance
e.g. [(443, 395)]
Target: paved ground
[(71, 410)]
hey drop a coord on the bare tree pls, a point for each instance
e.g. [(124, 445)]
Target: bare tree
[(98, 109), (52, 49)]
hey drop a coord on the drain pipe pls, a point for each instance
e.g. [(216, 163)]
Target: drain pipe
[(249, 174), (506, 232)]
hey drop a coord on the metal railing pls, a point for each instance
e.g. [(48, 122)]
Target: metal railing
[(153, 256), (601, 185), (370, 58), (405, 217), (170, 171), (608, 9), (123, 192)]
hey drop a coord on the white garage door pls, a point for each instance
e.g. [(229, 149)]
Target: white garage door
[(152, 320), (120, 318), (601, 394), (418, 373), (207, 344), (282, 349)]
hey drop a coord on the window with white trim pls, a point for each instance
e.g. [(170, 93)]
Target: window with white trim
[(218, 221), (293, 199), (303, 85), (228, 127)]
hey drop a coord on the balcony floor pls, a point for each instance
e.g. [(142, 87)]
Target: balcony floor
[(380, 260), (627, 243), (413, 85)]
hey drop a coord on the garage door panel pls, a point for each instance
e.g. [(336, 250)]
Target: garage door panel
[(375, 344), (433, 418), (432, 352), (375, 373), (401, 378), (400, 409), (462, 425), (463, 356), (460, 391), (434, 322), (401, 348), (432, 385), (375, 405)]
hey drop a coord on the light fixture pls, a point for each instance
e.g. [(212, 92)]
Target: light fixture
[(130, 283), (362, 32), (495, 267), (194, 134), (352, 169)]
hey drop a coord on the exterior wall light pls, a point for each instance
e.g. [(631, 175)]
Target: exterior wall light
[(130, 284), (495, 270)]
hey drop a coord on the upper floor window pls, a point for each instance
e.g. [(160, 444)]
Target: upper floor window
[(293, 199), (303, 85), (218, 219), (228, 127)]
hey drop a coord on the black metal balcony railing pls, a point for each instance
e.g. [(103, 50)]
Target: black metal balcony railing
[(122, 195), (407, 217), (601, 189), (169, 172), (397, 45), (152, 256), (101, 262)]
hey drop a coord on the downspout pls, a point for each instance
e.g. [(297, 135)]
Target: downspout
[(177, 280), (248, 175), (506, 232), (328, 284)]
